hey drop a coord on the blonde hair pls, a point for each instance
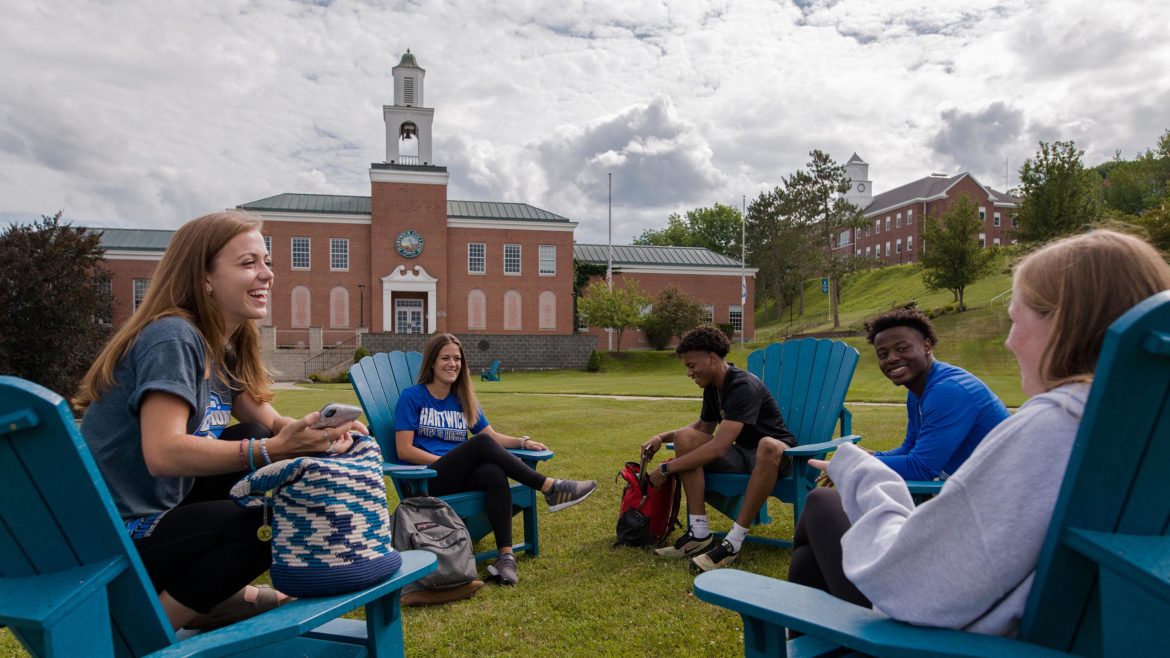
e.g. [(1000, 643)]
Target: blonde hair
[(178, 288), (462, 385), (1085, 282)]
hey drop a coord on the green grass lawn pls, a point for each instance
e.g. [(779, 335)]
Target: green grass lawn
[(582, 597)]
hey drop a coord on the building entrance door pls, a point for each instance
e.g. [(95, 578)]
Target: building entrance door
[(408, 316)]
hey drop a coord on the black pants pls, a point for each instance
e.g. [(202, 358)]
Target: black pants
[(816, 547), (481, 464), (206, 549)]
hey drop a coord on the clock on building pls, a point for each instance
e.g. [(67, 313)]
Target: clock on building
[(409, 243), (861, 187)]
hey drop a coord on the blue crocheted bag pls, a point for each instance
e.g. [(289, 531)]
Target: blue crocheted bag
[(330, 526)]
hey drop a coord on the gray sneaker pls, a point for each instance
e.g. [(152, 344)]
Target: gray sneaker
[(505, 569), (566, 493), (720, 556), (686, 546)]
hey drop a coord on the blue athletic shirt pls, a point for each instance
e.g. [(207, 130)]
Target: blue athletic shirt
[(438, 425), (945, 424)]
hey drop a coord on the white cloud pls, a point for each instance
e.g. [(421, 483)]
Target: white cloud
[(149, 113)]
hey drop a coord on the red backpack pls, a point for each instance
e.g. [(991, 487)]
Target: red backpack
[(648, 513)]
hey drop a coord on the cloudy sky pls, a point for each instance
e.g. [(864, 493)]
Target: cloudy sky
[(150, 113)]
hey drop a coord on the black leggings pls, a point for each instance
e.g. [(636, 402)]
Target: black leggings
[(205, 550), (816, 547), (481, 464)]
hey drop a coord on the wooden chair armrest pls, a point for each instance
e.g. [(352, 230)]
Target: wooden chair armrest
[(407, 472), (928, 487), (780, 604), (298, 617), (816, 450), (532, 455)]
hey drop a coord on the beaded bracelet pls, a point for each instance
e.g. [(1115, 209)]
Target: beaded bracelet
[(251, 462), (243, 462), (264, 452)]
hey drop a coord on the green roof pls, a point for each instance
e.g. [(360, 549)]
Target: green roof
[(360, 205), (138, 239), (408, 60), (633, 255)]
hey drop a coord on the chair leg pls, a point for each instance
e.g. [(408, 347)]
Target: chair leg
[(384, 626), (531, 529), (84, 632)]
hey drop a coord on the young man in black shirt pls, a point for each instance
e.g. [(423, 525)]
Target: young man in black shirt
[(739, 430)]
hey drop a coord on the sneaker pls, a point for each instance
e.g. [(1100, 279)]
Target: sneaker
[(505, 569), (566, 493), (720, 556), (686, 546)]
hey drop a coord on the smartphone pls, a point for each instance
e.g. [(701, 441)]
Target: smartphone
[(335, 413)]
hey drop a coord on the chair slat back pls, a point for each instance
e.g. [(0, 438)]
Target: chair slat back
[(379, 381), (809, 378), (56, 513), (1118, 479)]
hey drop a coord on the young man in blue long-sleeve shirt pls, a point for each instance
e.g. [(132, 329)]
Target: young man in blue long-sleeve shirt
[(948, 409)]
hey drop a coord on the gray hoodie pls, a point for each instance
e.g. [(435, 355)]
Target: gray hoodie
[(966, 558)]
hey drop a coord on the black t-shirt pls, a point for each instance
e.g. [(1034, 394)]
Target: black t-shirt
[(744, 399)]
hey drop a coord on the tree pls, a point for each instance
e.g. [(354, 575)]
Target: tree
[(951, 257), (779, 248), (618, 309), (583, 273), (716, 228), (816, 199), (1060, 195), (57, 302), (674, 313)]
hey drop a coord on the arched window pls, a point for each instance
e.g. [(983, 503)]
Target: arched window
[(301, 316), (408, 143), (548, 310), (512, 310), (476, 310), (339, 307)]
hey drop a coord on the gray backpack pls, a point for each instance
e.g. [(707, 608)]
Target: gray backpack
[(429, 524)]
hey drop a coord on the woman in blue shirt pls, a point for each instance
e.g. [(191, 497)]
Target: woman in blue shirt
[(431, 426)]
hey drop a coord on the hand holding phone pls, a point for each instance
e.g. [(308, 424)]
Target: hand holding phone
[(335, 414)]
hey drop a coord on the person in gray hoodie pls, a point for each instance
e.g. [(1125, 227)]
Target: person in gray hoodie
[(967, 558)]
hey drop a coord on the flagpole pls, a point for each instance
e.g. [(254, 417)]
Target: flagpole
[(743, 272), (609, 257)]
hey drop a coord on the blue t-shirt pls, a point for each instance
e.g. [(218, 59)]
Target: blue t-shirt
[(168, 356), (438, 425), (945, 424)]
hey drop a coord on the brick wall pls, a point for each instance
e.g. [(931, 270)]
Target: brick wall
[(514, 352)]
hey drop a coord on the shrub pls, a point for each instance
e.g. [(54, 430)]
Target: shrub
[(658, 330), (360, 353), (727, 329), (594, 364)]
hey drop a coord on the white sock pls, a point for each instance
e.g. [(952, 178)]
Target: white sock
[(736, 536), (698, 525)]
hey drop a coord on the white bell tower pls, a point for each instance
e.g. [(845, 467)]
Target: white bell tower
[(408, 123), (860, 191)]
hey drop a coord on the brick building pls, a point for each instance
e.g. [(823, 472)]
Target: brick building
[(894, 233), (408, 260)]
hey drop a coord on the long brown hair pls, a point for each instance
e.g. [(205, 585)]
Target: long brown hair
[(1085, 282), (178, 288), (462, 385)]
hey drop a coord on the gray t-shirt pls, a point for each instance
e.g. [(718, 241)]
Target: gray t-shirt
[(168, 356)]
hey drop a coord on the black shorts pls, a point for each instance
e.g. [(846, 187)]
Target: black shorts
[(739, 459)]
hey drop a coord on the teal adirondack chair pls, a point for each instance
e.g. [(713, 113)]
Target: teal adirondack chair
[(378, 381), (491, 373), (1102, 585), (809, 378), (71, 582)]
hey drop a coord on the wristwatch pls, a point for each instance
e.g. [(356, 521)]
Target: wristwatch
[(664, 468)]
